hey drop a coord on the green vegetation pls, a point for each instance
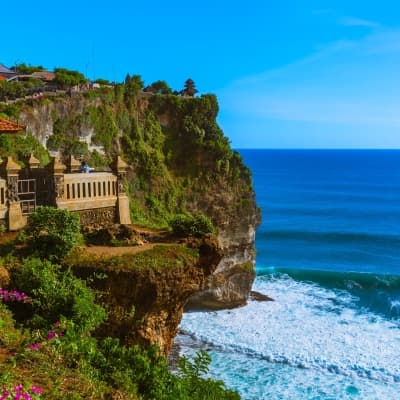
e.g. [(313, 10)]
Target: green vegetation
[(15, 89), (159, 257), (23, 68), (185, 225), (177, 154), (66, 78), (52, 232), (49, 346), (158, 87), (20, 147)]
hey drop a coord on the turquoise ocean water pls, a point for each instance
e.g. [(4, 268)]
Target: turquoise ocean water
[(328, 252)]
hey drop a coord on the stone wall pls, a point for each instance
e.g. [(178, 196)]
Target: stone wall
[(98, 217)]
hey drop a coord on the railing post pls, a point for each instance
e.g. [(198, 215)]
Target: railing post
[(119, 167), (33, 162), (57, 169), (16, 220)]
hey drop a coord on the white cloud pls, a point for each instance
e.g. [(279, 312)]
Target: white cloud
[(351, 21)]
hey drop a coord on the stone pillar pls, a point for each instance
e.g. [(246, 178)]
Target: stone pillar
[(16, 220), (119, 168), (33, 162), (57, 169)]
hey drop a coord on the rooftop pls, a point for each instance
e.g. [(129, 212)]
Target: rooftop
[(10, 126), (5, 70)]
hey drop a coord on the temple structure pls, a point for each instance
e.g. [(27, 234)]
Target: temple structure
[(98, 197)]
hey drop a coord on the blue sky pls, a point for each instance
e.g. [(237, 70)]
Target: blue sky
[(288, 74)]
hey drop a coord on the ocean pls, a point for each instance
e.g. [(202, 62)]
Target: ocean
[(328, 253)]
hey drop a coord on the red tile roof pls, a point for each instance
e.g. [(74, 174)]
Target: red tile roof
[(10, 126)]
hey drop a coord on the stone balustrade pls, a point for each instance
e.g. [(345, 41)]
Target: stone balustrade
[(88, 191)]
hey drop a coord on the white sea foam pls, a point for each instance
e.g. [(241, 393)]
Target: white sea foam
[(309, 329)]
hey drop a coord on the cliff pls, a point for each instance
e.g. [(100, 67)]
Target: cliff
[(179, 162), (145, 292)]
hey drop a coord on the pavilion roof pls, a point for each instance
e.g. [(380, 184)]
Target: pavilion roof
[(10, 126), (5, 70)]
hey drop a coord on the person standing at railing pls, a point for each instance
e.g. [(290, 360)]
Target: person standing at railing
[(85, 168)]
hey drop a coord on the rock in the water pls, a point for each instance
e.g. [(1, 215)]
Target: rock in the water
[(257, 296)]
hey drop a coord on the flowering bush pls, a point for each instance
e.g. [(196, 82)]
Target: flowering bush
[(57, 293), (14, 295), (19, 393)]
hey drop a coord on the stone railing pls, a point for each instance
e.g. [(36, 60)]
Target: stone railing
[(83, 191)]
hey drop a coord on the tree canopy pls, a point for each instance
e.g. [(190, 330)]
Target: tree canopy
[(68, 78), (158, 87), (22, 68)]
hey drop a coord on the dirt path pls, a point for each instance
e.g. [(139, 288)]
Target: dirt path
[(111, 251)]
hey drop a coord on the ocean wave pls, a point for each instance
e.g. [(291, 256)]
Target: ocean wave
[(341, 279), (306, 327), (377, 292), (332, 237)]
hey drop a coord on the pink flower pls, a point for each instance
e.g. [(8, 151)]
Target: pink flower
[(18, 388), (34, 346), (51, 335), (36, 390)]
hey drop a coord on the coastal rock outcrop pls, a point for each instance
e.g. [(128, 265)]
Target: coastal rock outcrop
[(230, 284), (145, 302)]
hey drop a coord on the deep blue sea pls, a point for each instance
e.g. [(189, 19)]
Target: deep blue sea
[(328, 252)]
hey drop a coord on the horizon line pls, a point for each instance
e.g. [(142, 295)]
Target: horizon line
[(321, 148)]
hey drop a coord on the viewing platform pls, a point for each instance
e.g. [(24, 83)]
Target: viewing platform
[(98, 197)]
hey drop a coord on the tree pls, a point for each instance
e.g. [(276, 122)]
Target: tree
[(133, 83), (158, 87), (22, 68), (68, 78), (189, 89)]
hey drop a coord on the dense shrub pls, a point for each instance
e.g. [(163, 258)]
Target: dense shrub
[(52, 232), (189, 225), (57, 294)]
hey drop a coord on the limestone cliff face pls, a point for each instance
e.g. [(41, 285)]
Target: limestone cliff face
[(40, 118), (230, 284), (145, 305)]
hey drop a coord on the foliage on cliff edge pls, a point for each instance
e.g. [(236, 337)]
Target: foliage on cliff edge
[(49, 348), (180, 162)]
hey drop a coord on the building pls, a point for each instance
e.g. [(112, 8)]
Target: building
[(7, 73), (98, 197), (7, 126)]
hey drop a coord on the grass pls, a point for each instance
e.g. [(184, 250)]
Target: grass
[(159, 257)]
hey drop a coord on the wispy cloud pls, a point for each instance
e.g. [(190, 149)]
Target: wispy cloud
[(348, 82), (351, 21)]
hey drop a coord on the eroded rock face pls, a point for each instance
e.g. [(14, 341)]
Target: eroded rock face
[(146, 305), (230, 284)]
